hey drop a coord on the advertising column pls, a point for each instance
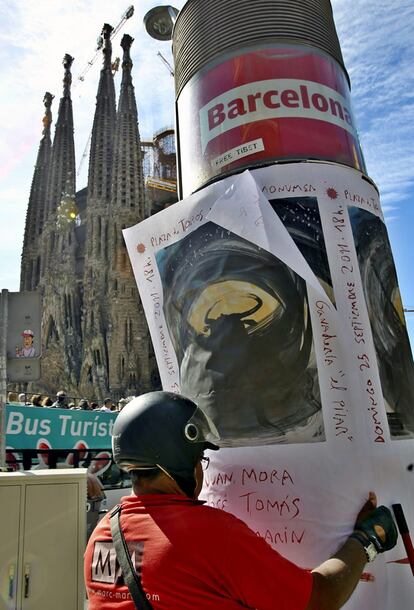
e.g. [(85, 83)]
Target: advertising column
[(271, 103), (270, 291)]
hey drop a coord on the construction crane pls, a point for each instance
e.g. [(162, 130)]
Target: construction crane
[(161, 184), (115, 67), (99, 43), (84, 154)]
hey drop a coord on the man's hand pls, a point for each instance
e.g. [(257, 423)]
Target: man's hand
[(335, 579), (376, 524), (369, 506)]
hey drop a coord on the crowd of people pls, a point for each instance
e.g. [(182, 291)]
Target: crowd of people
[(63, 401)]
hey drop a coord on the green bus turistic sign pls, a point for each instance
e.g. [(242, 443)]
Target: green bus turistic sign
[(42, 428)]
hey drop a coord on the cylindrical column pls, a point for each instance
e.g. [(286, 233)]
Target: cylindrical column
[(275, 305), (258, 83)]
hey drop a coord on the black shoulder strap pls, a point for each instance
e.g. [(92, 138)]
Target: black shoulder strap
[(131, 578)]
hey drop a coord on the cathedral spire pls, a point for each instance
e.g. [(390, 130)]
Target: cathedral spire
[(107, 46), (127, 175), (42, 166), (67, 79), (47, 119), (128, 341), (63, 171), (100, 159), (126, 44), (30, 268), (61, 332), (94, 373)]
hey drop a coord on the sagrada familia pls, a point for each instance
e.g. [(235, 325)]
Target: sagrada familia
[(95, 340)]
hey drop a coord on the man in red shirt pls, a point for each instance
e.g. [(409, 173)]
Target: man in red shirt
[(190, 556)]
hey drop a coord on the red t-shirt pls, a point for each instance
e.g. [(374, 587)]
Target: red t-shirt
[(191, 557)]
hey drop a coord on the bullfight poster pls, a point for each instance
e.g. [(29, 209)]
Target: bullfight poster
[(272, 301)]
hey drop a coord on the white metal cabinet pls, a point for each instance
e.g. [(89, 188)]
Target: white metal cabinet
[(42, 539), (10, 498)]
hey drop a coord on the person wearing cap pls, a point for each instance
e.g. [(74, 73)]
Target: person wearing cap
[(23, 399), (187, 555), (28, 349), (84, 405), (60, 402)]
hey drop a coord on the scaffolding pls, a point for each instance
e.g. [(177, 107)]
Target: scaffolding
[(160, 168)]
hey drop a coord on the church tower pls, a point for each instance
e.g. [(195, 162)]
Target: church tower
[(58, 247), (95, 362), (31, 255), (128, 340), (62, 173)]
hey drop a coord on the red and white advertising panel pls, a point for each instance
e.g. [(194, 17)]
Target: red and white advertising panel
[(280, 103)]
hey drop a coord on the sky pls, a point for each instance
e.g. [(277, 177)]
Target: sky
[(378, 49)]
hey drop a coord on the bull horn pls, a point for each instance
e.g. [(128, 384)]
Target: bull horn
[(207, 320), (255, 308)]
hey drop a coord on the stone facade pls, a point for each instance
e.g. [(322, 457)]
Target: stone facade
[(95, 340)]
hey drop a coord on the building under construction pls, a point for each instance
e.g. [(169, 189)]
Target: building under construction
[(95, 340)]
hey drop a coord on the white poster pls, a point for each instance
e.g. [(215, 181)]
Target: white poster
[(272, 301)]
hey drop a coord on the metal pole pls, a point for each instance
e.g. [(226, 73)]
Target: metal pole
[(3, 375)]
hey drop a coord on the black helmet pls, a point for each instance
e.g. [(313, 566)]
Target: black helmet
[(164, 430)]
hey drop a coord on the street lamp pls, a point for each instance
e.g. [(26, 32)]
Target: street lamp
[(159, 22)]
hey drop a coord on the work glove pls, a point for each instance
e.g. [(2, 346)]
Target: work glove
[(377, 525)]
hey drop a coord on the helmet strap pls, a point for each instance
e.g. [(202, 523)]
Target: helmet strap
[(165, 472), (186, 485)]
